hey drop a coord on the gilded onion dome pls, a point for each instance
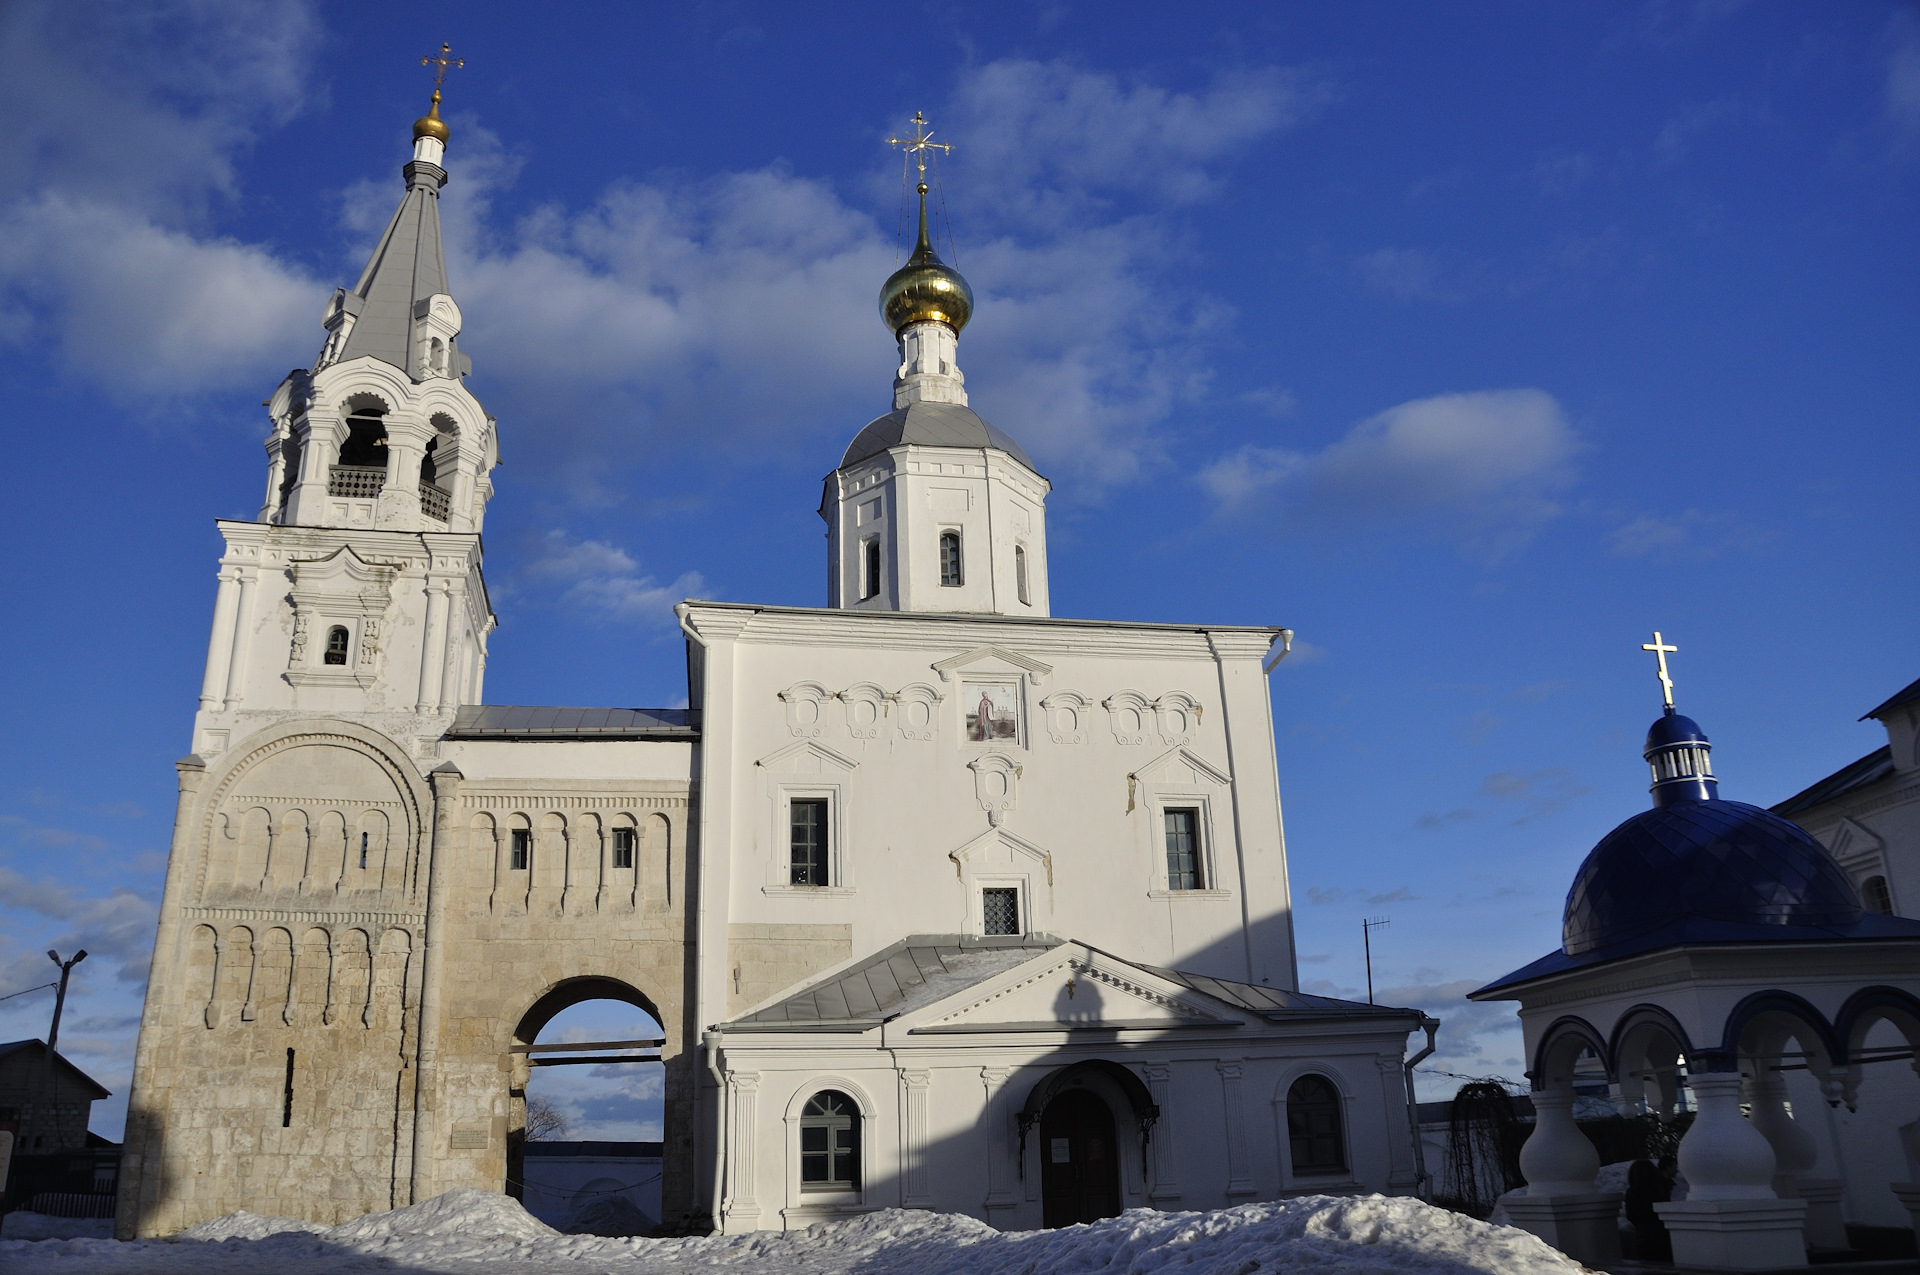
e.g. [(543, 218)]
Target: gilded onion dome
[(925, 290), (430, 124)]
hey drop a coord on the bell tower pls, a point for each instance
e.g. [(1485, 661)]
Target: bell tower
[(358, 590)]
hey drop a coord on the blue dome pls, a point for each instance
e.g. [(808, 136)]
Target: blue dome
[(1704, 871), (1673, 729)]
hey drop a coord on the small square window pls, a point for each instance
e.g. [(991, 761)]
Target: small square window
[(623, 847), (1000, 910), (522, 849)]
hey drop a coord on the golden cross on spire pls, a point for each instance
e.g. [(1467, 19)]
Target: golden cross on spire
[(919, 144), (1661, 651), (440, 65)]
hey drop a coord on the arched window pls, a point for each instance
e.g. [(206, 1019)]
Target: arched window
[(1874, 892), (830, 1143), (1020, 574), (1313, 1127), (870, 585), (950, 559), (336, 645)]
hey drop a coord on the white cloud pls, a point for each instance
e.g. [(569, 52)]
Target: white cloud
[(1038, 132), (1484, 467), (145, 102), (124, 123), (734, 313), (116, 927), (143, 309), (1689, 534), (604, 580)]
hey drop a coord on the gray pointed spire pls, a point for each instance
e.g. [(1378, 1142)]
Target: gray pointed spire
[(407, 269)]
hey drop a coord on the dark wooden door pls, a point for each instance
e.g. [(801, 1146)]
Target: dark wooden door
[(1079, 1161)]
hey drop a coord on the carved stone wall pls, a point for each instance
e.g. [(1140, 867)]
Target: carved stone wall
[(347, 955)]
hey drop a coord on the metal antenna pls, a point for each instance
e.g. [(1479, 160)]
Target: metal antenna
[(1367, 927)]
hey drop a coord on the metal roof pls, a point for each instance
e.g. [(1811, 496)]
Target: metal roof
[(1876, 765), (1273, 1002), (914, 972), (407, 267), (524, 721), (922, 969), (930, 425), (1910, 691)]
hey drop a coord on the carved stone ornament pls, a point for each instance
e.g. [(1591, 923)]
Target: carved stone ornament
[(996, 784)]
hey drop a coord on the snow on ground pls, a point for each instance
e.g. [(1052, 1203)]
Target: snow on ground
[(476, 1233)]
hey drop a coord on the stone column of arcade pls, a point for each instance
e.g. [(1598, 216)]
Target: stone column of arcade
[(1795, 1153), (1908, 1192), (1731, 1219), (1562, 1205)]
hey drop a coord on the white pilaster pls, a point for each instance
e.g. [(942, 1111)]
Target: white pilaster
[(226, 603), (1240, 1184), (1164, 1190)]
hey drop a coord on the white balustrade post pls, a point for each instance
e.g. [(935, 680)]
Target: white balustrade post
[(1795, 1154), (1731, 1218), (1561, 1204)]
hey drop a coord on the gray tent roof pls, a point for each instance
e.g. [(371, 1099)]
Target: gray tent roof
[(931, 425), (914, 972), (406, 268), (924, 968)]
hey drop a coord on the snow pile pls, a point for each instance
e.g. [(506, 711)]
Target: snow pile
[(248, 1226), (472, 1232), (470, 1215)]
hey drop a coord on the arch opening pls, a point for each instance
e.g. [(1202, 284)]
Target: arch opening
[(587, 1101)]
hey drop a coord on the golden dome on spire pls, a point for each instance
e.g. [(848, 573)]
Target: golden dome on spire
[(430, 124), (925, 290)]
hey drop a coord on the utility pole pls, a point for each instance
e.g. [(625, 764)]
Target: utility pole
[(60, 997), (1367, 927)]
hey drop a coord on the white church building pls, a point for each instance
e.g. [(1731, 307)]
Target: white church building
[(941, 901)]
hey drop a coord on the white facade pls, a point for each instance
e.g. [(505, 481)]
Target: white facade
[(381, 890)]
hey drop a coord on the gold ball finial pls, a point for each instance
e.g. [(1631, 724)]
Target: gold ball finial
[(430, 124)]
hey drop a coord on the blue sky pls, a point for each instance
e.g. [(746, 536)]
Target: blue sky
[(1471, 342)]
